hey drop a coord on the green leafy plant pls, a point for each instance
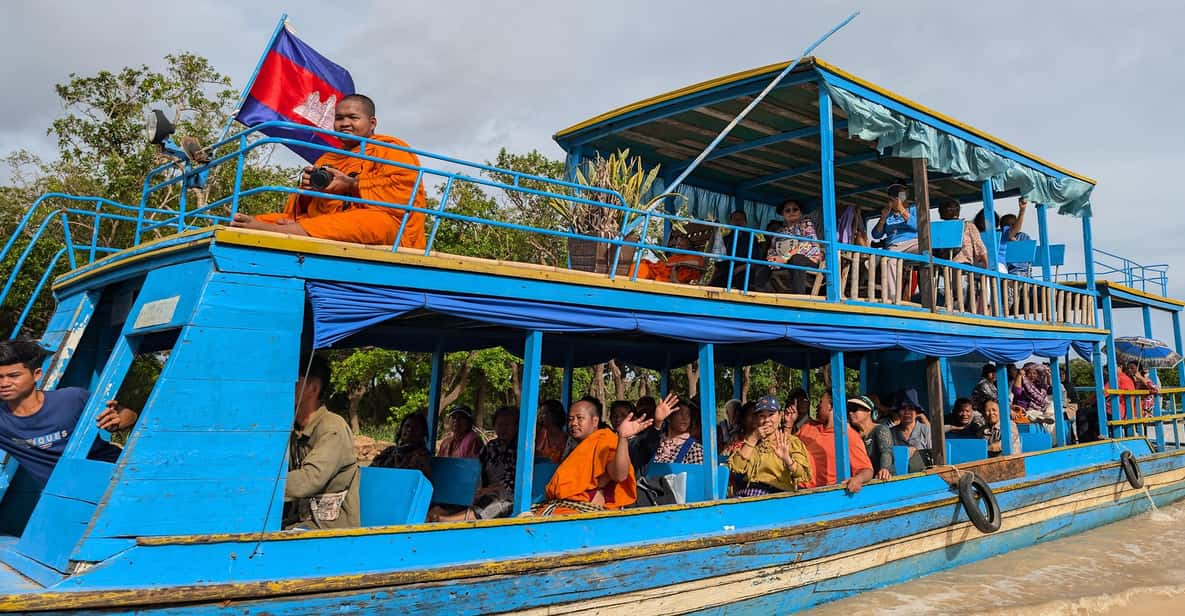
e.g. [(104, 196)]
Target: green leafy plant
[(625, 175)]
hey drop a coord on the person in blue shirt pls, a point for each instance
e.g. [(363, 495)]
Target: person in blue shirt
[(1010, 230), (898, 227), (35, 425)]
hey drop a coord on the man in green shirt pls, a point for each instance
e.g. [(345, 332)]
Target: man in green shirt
[(322, 486)]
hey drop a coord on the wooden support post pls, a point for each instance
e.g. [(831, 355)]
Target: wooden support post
[(1059, 420), (827, 202), (921, 196), (566, 384), (937, 409), (434, 380), (1112, 364), (524, 465), (707, 413), (1005, 397), (839, 417), (1096, 360)]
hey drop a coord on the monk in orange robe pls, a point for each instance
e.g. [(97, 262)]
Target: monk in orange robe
[(597, 474), (345, 221), (661, 271)]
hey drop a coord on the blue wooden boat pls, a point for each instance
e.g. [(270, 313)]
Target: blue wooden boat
[(188, 519)]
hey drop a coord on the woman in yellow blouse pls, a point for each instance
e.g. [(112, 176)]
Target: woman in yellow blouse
[(768, 460)]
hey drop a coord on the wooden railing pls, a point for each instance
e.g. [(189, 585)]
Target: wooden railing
[(874, 276)]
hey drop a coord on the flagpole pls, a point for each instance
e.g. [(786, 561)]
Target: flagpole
[(741, 116), (251, 82)]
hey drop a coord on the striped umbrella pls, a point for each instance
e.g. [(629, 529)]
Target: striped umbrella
[(1149, 352)]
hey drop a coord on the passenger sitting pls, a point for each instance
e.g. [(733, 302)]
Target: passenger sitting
[(677, 445), (495, 497), (551, 441), (738, 244), (361, 223), (819, 437), (728, 428), (35, 425), (619, 410), (985, 389), (321, 490), (971, 251), (410, 450), (993, 433), (1010, 225), (791, 251), (597, 474), (768, 460), (677, 267), (462, 440), (898, 227), (878, 440), (1033, 396), (964, 421), (912, 433)]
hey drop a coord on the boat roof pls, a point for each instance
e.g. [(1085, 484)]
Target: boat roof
[(774, 153)]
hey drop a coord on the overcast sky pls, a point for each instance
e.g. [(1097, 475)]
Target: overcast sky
[(1093, 86)]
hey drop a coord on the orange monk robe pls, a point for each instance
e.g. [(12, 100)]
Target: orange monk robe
[(662, 271), (335, 219), (579, 475)]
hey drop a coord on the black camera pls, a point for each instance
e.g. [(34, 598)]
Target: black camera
[(320, 177)]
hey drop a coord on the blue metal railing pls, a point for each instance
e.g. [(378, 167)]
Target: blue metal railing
[(635, 232), (1110, 266)]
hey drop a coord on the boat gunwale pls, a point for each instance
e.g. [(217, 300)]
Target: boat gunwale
[(171, 595)]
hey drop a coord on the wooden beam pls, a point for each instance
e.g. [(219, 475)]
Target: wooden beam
[(921, 194)]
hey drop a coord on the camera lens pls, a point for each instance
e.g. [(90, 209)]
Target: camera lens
[(320, 178)]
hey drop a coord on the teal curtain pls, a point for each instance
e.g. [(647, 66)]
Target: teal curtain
[(944, 153)]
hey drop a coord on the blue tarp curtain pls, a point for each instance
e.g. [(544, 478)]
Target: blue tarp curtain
[(341, 310), (945, 153)]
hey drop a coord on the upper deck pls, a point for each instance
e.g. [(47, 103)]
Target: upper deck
[(790, 147)]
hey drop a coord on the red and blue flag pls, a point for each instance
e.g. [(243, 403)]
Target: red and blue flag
[(296, 84)]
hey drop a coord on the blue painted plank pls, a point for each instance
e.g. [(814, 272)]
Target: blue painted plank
[(170, 455), (900, 460), (84, 480), (54, 530), (167, 507), (231, 404), (540, 478)]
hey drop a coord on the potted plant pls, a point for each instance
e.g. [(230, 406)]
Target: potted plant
[(628, 178)]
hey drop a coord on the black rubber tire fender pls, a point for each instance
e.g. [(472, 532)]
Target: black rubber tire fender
[(1131, 469), (972, 492)]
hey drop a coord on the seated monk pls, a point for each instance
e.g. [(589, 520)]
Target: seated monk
[(597, 474), (335, 219), (693, 265)]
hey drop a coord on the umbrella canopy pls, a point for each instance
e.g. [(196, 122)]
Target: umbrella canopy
[(1149, 352)]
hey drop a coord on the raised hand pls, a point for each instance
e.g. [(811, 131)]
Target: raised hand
[(782, 448), (109, 418), (883, 474), (665, 407), (631, 426)]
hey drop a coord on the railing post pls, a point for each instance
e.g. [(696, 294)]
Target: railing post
[(1096, 361), (1156, 411), (1004, 394), (524, 464), (239, 164), (993, 248), (1112, 362), (434, 380), (566, 383), (1176, 315), (1047, 269), (839, 418), (707, 413), (921, 196), (1059, 420), (827, 172)]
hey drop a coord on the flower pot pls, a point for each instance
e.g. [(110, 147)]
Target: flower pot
[(587, 255)]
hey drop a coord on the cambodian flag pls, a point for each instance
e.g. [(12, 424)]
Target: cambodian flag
[(296, 84)]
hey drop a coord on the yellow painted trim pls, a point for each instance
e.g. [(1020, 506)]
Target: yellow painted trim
[(1138, 293), (1146, 420), (121, 259), (357, 582), (686, 91), (290, 243), (806, 63)]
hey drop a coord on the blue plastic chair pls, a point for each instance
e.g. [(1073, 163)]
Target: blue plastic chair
[(540, 475), (900, 460), (1035, 441), (946, 234), (455, 480), (959, 450), (393, 496), (1020, 251), (1057, 256), (695, 478)]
